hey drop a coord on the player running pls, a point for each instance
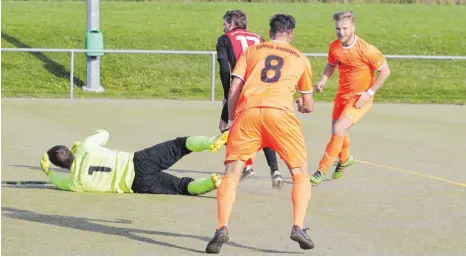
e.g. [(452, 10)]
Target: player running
[(356, 60), (260, 105), (230, 46), (95, 168)]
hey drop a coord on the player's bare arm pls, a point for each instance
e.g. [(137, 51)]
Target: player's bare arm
[(365, 96), (233, 96), (384, 73), (326, 74), (305, 103)]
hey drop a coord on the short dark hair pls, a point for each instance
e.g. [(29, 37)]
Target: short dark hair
[(61, 156), (236, 17), (343, 16), (282, 23)]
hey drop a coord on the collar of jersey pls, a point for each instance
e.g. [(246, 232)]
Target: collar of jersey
[(236, 29), (273, 40), (353, 44)]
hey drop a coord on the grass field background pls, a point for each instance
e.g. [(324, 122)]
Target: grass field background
[(394, 29)]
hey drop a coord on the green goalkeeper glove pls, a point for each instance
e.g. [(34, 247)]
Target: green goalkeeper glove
[(45, 164), (74, 148)]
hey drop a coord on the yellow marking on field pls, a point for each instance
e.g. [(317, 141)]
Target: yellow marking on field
[(412, 173)]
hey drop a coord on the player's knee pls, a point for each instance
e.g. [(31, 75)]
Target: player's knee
[(340, 128), (181, 143), (181, 140), (298, 170), (234, 168)]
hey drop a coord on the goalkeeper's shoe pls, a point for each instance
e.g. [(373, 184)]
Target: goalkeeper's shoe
[(217, 179), (219, 141), (341, 167)]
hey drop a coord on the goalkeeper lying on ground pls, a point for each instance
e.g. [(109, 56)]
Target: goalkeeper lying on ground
[(95, 168)]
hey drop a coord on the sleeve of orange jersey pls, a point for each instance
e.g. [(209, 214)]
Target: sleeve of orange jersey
[(331, 59), (374, 58), (305, 82), (240, 67)]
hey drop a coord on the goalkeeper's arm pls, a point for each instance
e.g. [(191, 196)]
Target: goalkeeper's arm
[(62, 182)]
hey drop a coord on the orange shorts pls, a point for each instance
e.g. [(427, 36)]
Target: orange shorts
[(344, 108), (257, 128)]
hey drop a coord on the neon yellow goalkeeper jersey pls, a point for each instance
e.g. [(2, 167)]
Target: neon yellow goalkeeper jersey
[(96, 168)]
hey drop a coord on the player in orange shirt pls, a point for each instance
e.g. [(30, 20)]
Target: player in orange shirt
[(357, 61), (260, 105)]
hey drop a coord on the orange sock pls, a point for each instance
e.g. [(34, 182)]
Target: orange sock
[(344, 154), (300, 195), (331, 152), (226, 194)]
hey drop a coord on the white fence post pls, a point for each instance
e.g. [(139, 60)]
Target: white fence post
[(71, 74), (212, 97)]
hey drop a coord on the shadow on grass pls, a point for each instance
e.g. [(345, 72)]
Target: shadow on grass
[(86, 224), (191, 171), (49, 64)]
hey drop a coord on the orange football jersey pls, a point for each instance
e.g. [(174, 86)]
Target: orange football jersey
[(271, 71), (356, 64)]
